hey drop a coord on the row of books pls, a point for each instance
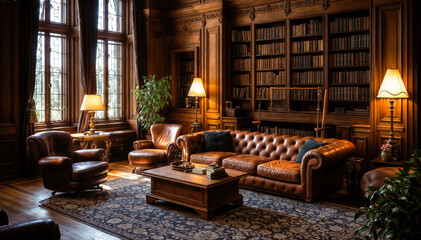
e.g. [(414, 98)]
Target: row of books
[(350, 42), (346, 24), (267, 78), (349, 93), (304, 94), (286, 131), (241, 79), (278, 106), (307, 28), (352, 111), (187, 66), (271, 32), (307, 61), (350, 77), (241, 64), (270, 63), (349, 59), (270, 48), (240, 50), (310, 77), (279, 94), (211, 172), (307, 46), (263, 93), (186, 78), (240, 92), (240, 35)]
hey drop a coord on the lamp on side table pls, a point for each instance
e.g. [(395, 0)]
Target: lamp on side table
[(92, 103), (392, 88)]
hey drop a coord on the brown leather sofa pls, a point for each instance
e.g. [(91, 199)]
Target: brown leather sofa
[(33, 230), (269, 160), (65, 170), (156, 152)]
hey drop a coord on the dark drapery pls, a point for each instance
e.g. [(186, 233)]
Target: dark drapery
[(88, 35), (139, 49), (29, 22)]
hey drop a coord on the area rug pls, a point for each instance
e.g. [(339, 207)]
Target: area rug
[(121, 210)]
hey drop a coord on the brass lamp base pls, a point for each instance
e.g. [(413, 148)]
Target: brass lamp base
[(92, 129)]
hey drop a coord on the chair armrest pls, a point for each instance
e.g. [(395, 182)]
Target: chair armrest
[(4, 220), (38, 229), (84, 155), (172, 151), (55, 162), (328, 155), (142, 144), (190, 143)]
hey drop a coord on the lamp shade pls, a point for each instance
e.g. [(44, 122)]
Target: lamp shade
[(92, 103), (197, 89), (392, 85)]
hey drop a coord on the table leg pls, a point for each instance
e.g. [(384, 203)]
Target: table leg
[(205, 215), (107, 148)]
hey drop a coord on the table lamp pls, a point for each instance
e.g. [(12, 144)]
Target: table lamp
[(392, 87), (92, 103), (196, 90)]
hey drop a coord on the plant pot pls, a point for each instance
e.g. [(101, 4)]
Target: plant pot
[(386, 156)]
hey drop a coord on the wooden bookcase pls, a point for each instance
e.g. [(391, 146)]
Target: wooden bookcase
[(330, 51)]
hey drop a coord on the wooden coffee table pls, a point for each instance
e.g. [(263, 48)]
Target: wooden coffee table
[(202, 194)]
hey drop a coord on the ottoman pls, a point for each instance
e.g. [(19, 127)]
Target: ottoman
[(376, 177), (147, 158)]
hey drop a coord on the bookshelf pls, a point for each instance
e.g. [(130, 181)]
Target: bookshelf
[(184, 70), (241, 66), (349, 63)]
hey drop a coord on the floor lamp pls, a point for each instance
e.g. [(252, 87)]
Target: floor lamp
[(196, 90), (392, 88)]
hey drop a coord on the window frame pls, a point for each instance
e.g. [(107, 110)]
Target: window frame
[(48, 28), (105, 35)]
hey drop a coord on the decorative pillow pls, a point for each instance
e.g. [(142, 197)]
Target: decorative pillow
[(217, 142), (310, 144)]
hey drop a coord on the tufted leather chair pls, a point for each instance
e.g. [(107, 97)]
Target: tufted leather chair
[(156, 152), (65, 170), (270, 161), (33, 230)]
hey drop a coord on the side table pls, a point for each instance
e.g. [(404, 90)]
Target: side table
[(377, 162), (91, 141), (354, 167)]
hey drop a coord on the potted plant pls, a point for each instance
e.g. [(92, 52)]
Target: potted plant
[(151, 99), (386, 154), (395, 208)]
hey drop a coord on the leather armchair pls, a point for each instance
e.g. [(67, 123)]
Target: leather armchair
[(157, 152), (33, 230), (65, 170)]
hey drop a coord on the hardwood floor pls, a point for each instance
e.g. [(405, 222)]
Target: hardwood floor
[(20, 200)]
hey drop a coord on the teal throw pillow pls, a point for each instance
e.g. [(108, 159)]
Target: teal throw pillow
[(310, 144)]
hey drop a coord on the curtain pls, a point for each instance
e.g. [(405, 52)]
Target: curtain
[(29, 22), (139, 50), (88, 35)]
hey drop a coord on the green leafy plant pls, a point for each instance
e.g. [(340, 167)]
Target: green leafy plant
[(151, 99), (395, 208)]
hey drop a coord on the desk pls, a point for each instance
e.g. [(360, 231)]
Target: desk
[(91, 141)]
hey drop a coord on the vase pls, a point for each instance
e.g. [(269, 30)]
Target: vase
[(386, 156)]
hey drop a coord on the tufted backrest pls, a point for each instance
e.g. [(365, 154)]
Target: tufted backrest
[(282, 147), (51, 143)]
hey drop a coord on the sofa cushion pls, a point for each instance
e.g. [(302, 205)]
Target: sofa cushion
[(310, 144), (88, 169), (284, 170), (210, 157), (217, 142), (245, 162)]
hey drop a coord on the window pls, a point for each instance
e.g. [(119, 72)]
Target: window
[(50, 73), (110, 58)]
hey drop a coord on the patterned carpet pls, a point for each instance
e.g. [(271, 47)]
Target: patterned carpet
[(121, 210)]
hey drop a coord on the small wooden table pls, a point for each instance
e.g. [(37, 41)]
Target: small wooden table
[(196, 191), (91, 141)]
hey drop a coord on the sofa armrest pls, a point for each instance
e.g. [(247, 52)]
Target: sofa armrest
[(4, 220), (328, 155), (190, 143), (172, 151), (38, 229), (142, 144), (84, 155)]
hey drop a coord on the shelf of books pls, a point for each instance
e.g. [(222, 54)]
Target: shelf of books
[(241, 67), (349, 63), (270, 50), (186, 75), (307, 48)]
